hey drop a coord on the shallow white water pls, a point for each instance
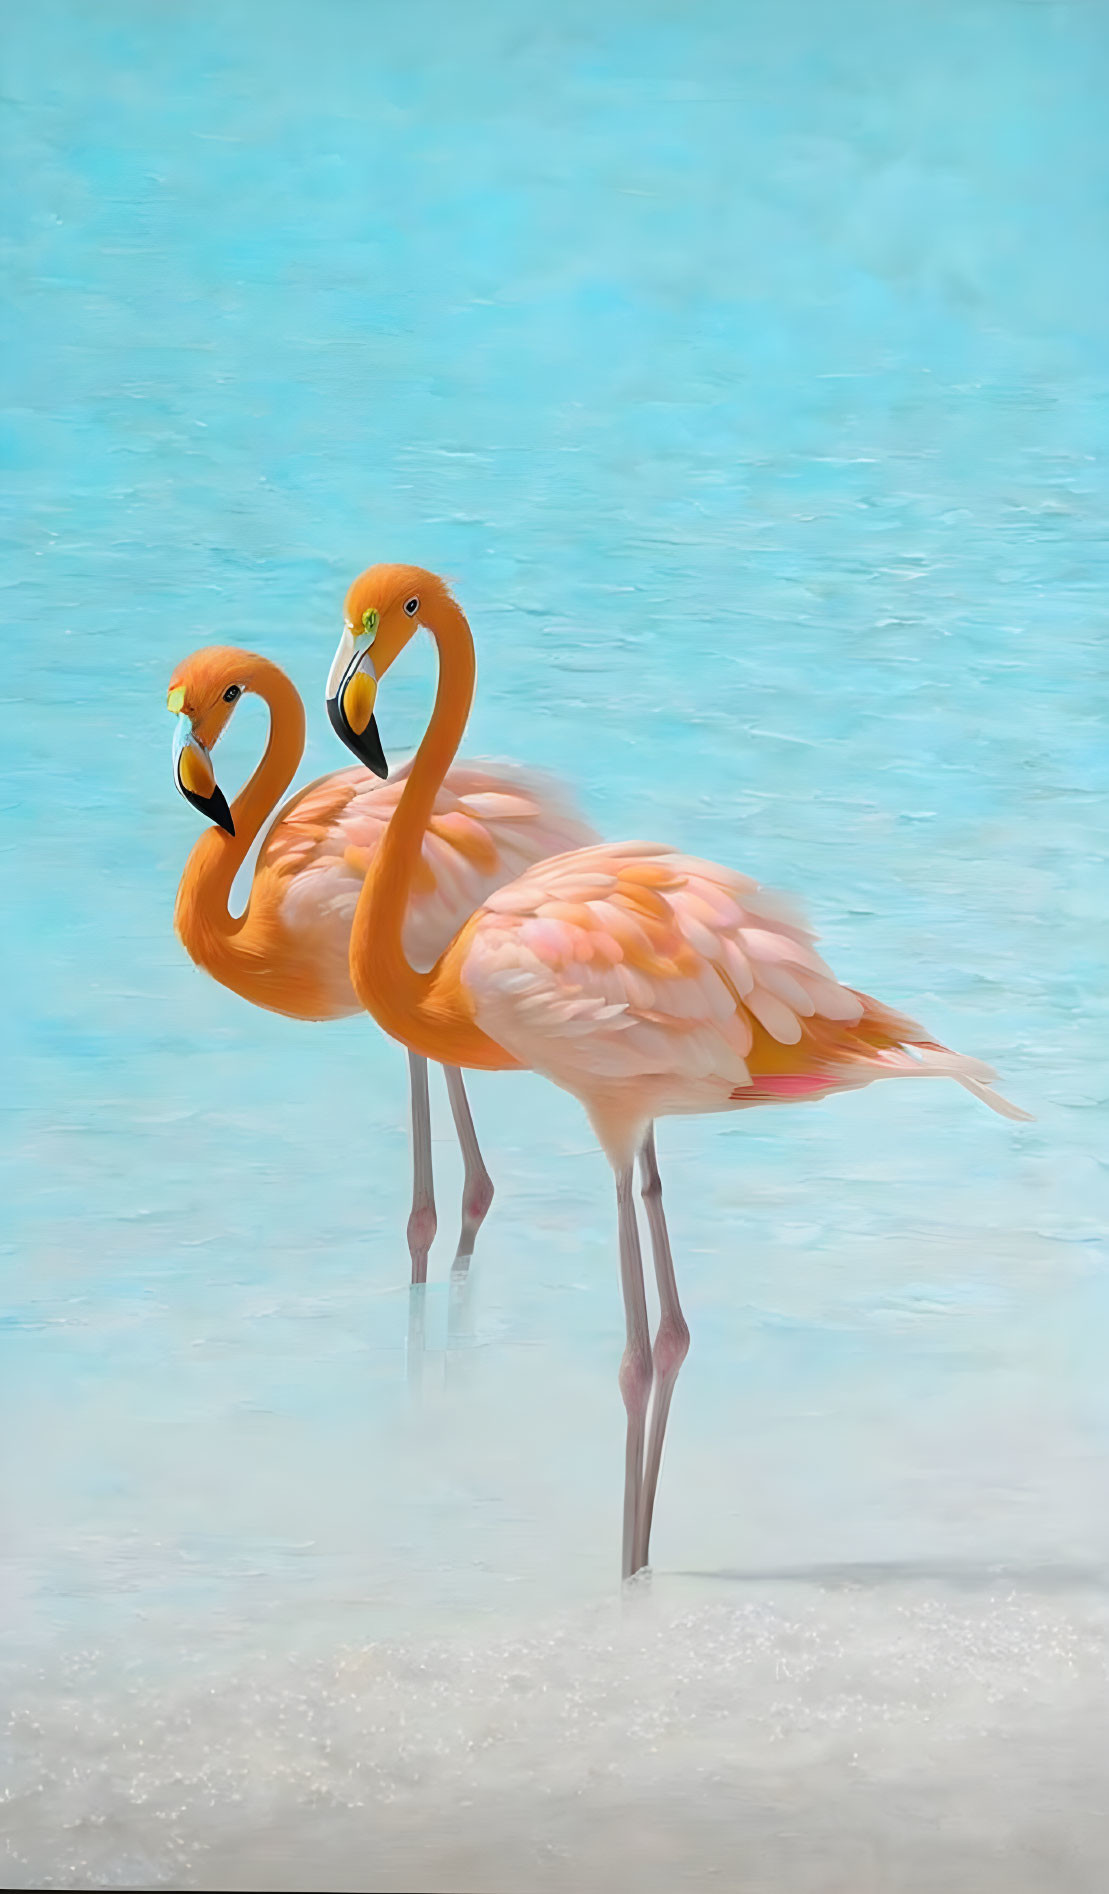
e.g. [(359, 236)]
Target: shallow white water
[(874, 1733)]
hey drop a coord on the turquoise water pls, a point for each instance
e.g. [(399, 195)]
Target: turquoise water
[(745, 368)]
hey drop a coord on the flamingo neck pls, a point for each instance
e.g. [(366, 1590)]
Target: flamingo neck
[(427, 1012), (223, 943)]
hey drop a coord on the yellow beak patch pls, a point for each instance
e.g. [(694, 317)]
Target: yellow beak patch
[(196, 772), (359, 698), (176, 699)]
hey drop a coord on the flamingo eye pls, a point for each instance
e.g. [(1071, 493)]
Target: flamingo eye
[(411, 606), (232, 691)]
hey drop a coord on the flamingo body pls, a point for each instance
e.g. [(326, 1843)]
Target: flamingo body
[(288, 952), (650, 983), (491, 822), (644, 981)]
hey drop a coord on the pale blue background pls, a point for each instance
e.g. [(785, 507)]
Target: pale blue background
[(745, 367)]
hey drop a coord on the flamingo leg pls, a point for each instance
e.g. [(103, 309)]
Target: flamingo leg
[(671, 1341), (477, 1187), (421, 1221), (635, 1368), (417, 1345), (460, 1337)]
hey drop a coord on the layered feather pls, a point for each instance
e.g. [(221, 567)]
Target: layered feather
[(630, 965), (490, 824)]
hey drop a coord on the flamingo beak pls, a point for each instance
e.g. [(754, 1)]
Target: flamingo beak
[(351, 695), (193, 772)]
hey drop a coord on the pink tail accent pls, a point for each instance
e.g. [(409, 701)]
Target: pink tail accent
[(916, 1059)]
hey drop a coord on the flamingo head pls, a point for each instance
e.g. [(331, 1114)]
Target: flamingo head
[(202, 695), (383, 609)]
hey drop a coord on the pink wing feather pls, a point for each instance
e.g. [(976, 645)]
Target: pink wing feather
[(654, 963), (631, 964), (491, 822)]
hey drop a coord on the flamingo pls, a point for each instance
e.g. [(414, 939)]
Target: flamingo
[(644, 981), (288, 951)]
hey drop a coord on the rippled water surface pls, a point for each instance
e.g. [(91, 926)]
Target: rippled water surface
[(745, 367)]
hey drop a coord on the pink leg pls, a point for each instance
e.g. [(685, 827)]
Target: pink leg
[(635, 1369), (671, 1342), (477, 1187), (417, 1312), (421, 1221)]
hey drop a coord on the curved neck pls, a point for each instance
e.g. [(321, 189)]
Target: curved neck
[(216, 938), (425, 1011)]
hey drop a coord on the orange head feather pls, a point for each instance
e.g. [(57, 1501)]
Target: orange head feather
[(399, 596), (207, 685), (383, 608)]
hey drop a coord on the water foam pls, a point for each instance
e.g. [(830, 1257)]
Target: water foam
[(888, 1736)]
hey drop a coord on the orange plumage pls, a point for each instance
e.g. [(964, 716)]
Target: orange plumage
[(646, 982), (289, 950)]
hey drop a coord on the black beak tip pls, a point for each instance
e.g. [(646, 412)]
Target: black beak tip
[(221, 813), (374, 754), (367, 747), (213, 806)]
